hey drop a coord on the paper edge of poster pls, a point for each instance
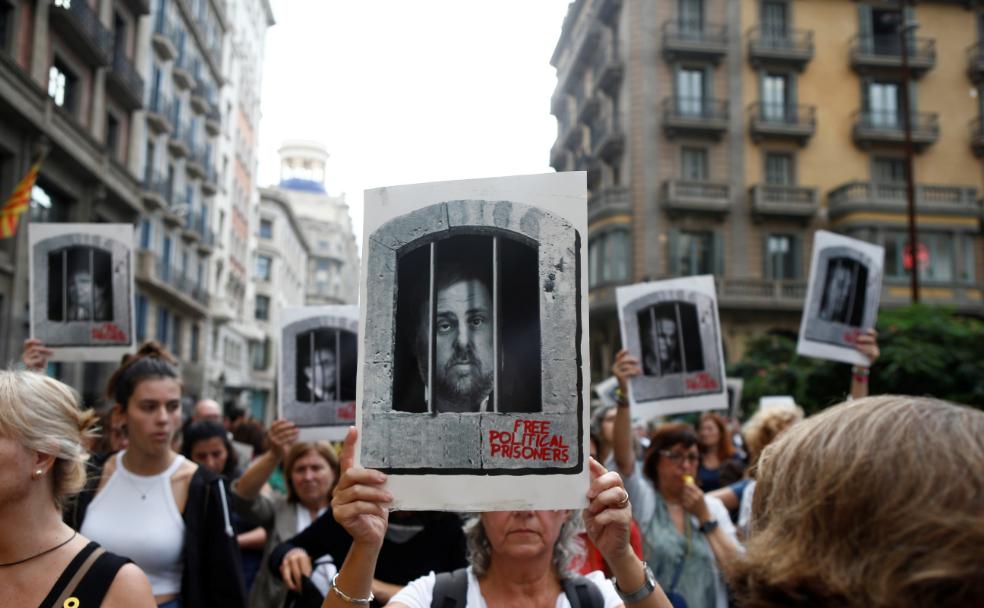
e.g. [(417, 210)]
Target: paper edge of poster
[(444, 491)]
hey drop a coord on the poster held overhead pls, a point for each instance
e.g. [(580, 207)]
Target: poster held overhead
[(842, 297), (473, 377), (672, 328), (318, 360), (735, 386), (81, 285)]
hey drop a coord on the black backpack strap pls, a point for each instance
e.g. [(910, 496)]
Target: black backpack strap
[(450, 589), (582, 593)]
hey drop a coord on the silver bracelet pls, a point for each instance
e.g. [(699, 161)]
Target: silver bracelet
[(350, 600)]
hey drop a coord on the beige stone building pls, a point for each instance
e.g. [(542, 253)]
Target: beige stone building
[(718, 135)]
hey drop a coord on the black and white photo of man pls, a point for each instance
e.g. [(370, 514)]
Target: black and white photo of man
[(459, 342), (79, 284), (844, 292), (319, 366), (660, 341)]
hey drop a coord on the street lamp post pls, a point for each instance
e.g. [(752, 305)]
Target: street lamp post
[(910, 188)]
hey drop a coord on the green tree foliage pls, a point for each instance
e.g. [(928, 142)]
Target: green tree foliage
[(925, 350)]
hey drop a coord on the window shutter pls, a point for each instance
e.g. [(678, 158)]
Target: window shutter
[(797, 246), (673, 255), (717, 246)]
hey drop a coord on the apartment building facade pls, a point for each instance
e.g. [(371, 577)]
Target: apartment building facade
[(718, 135)]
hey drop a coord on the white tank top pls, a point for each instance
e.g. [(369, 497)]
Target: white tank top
[(136, 517)]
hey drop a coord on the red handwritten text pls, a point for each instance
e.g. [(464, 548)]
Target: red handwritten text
[(851, 336), (529, 440), (346, 411), (108, 332), (702, 382)]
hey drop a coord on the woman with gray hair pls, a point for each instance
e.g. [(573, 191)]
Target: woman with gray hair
[(518, 558)]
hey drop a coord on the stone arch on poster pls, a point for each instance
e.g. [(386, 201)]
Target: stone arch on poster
[(417, 443)]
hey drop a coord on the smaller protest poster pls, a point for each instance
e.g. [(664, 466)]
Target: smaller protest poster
[(842, 297), (606, 391), (672, 327), (81, 285), (735, 386), (318, 363)]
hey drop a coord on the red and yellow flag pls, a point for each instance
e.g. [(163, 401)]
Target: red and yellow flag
[(18, 202)]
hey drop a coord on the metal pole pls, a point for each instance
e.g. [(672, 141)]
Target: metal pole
[(910, 188)]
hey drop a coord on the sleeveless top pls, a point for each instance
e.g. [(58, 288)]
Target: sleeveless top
[(86, 579), (135, 515)]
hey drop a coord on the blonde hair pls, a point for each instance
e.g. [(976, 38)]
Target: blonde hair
[(43, 415), (763, 428), (877, 503)]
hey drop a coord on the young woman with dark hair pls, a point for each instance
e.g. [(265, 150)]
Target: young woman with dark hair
[(177, 509)]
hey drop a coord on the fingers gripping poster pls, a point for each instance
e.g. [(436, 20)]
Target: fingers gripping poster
[(81, 282), (672, 328), (318, 359), (473, 379)]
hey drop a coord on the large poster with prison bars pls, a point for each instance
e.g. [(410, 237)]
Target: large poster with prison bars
[(672, 328), (81, 285), (473, 379), (318, 361), (842, 297)]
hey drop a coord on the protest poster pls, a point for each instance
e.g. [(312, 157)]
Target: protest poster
[(606, 391), (473, 377), (842, 297), (318, 361), (81, 285), (672, 328), (735, 386)]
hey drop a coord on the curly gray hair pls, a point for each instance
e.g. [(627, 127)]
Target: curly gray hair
[(567, 554)]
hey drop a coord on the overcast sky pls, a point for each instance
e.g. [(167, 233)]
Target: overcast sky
[(405, 92)]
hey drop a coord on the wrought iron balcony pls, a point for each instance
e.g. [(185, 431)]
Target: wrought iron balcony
[(680, 195), (206, 244), (874, 127), (190, 233), (213, 120), (86, 35), (769, 46), (607, 137), (975, 62), (784, 201), (977, 136), (181, 71), (155, 194), (879, 52), (694, 40), (195, 163), (163, 38), (780, 120), (160, 111), (891, 197), (607, 67), (210, 181), (695, 116), (125, 81), (199, 97), (608, 202)]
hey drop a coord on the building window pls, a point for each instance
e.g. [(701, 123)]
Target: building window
[(782, 255), (777, 97), (141, 317), (691, 17), (692, 253), (195, 337), (263, 266), (690, 91), (693, 164), (775, 19), (176, 338), (967, 269), (935, 256), (163, 325), (112, 135), (608, 257), (259, 354), (883, 104), (779, 169), (262, 308), (266, 229), (888, 170), (62, 86), (146, 233)]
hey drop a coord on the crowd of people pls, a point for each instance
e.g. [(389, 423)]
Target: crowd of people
[(876, 502)]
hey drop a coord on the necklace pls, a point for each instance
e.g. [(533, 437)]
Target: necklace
[(45, 552)]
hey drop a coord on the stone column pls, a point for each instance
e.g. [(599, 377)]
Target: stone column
[(39, 46)]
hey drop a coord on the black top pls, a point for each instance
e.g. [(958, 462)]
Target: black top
[(91, 589), (438, 547)]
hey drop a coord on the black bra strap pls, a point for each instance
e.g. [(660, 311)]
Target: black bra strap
[(86, 579)]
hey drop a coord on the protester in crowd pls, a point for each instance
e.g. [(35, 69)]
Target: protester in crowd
[(718, 466), (252, 434), (112, 435), (688, 537), (516, 557), (207, 444), (763, 428), (207, 409), (42, 437), (35, 355), (867, 345), (311, 470), (593, 559), (177, 509), (602, 427), (877, 502)]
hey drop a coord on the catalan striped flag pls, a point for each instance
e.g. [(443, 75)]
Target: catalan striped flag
[(18, 202)]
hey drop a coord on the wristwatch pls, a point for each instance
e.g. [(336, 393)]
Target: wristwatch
[(708, 526), (641, 592)]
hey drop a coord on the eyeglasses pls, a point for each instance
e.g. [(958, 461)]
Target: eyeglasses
[(676, 457)]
